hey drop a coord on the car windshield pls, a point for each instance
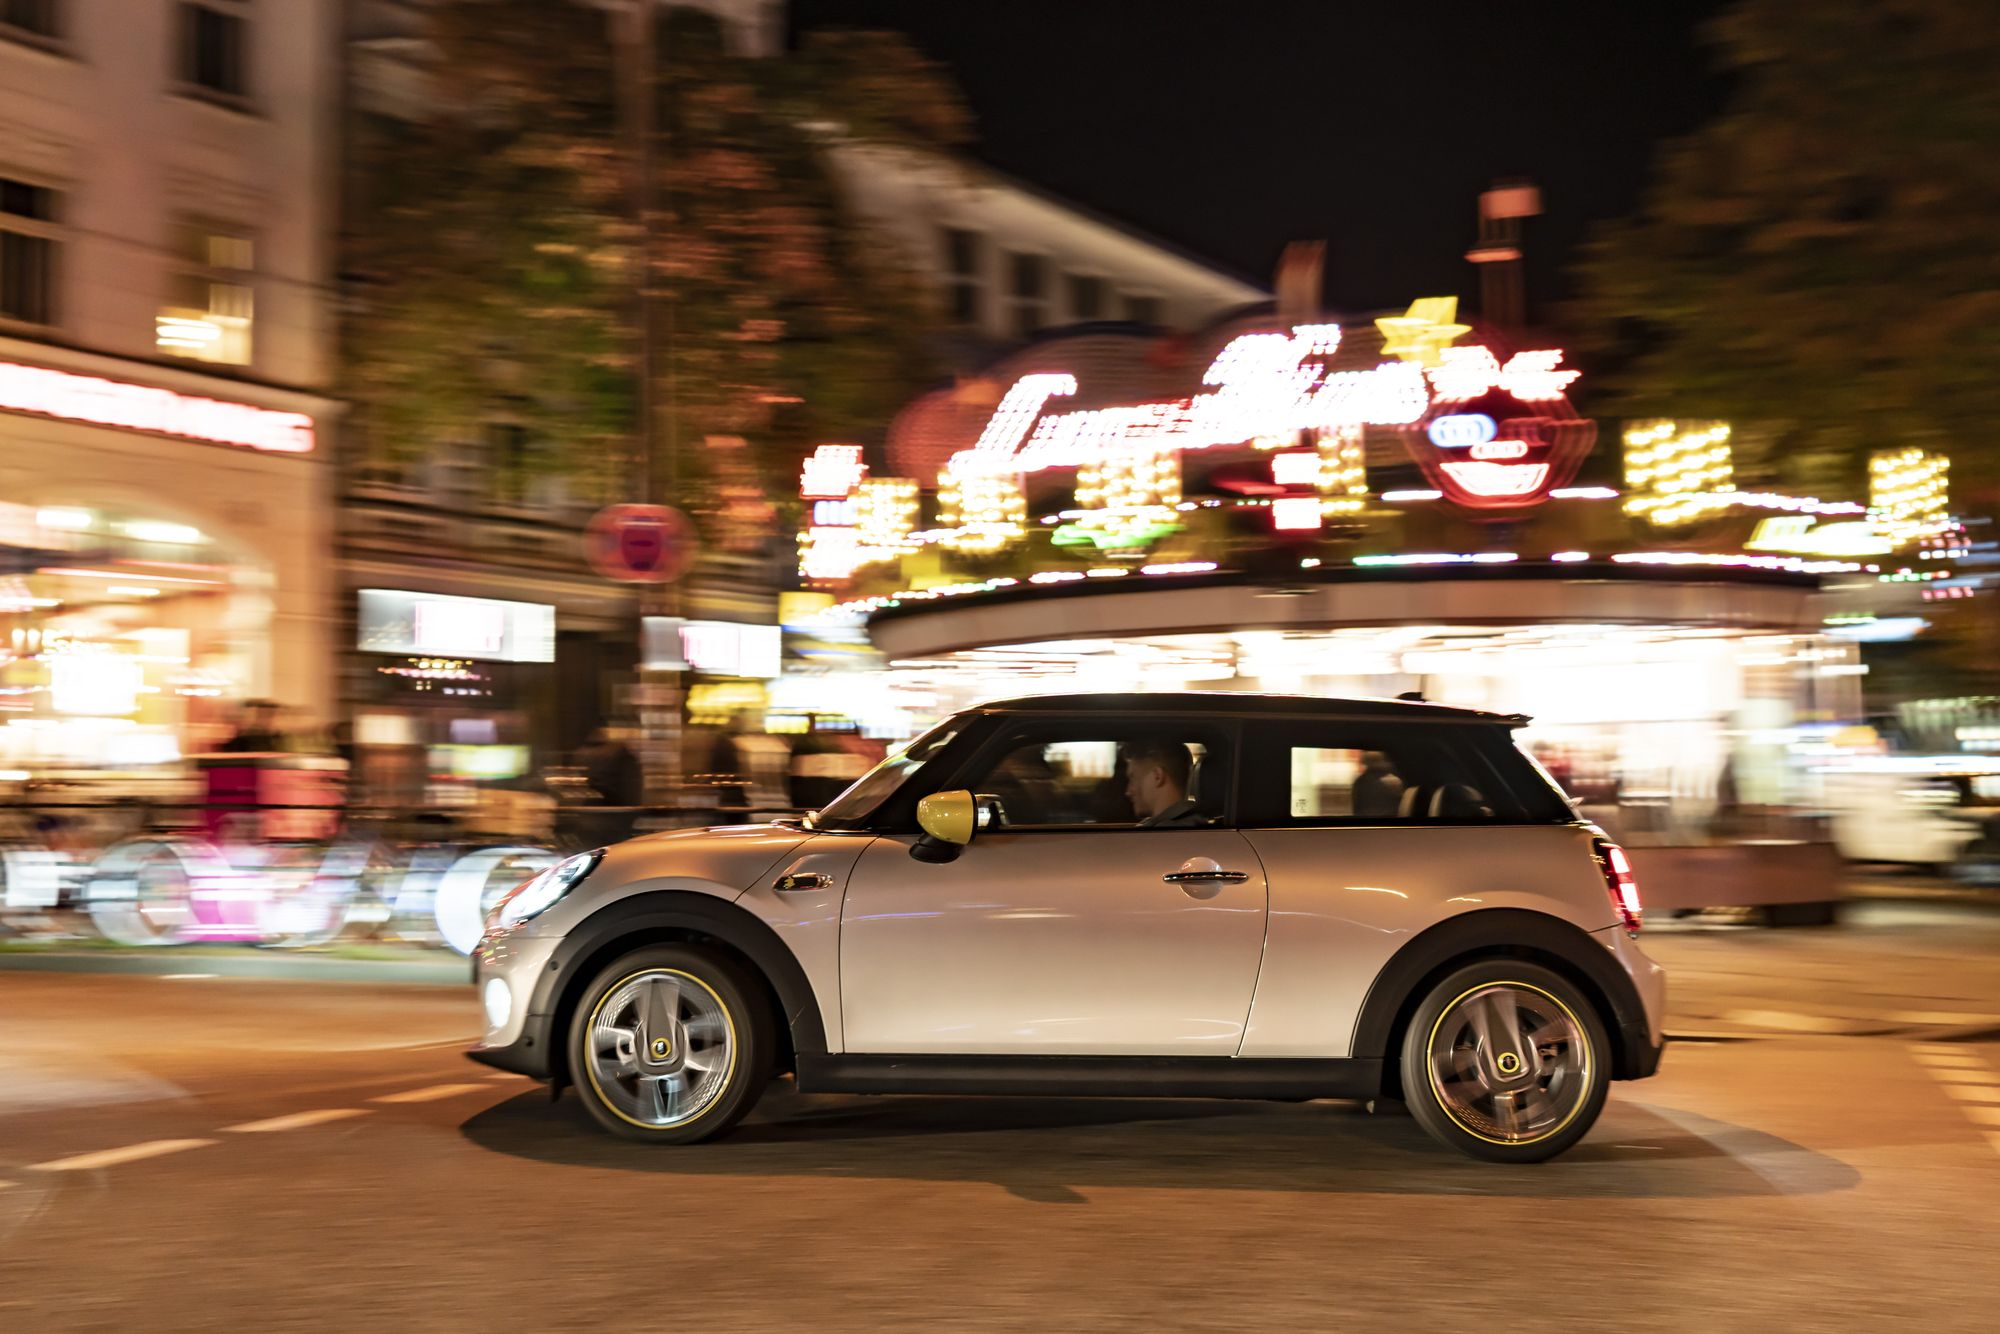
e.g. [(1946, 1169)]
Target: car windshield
[(851, 809)]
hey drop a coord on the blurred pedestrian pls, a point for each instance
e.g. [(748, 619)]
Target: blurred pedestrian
[(256, 729), (612, 770)]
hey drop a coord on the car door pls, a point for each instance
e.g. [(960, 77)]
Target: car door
[(1071, 930)]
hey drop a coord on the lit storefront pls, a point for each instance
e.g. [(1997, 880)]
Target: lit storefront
[(162, 558), (450, 690), (1375, 510)]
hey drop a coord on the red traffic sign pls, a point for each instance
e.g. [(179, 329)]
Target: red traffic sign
[(640, 544)]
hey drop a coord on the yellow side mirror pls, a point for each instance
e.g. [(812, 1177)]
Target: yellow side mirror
[(949, 817)]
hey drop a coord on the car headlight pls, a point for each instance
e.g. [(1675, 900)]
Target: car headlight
[(537, 896)]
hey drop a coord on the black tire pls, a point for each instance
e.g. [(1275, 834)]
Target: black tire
[(748, 1023), (1582, 1062)]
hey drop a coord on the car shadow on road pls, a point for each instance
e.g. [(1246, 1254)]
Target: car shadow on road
[(1050, 1150)]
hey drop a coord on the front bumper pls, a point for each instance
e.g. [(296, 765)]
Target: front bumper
[(519, 1040)]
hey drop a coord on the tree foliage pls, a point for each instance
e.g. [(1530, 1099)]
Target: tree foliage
[(1818, 264), (495, 249)]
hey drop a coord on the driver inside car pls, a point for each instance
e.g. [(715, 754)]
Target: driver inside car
[(1156, 783)]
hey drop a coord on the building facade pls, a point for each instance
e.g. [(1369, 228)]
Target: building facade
[(453, 527), (166, 172)]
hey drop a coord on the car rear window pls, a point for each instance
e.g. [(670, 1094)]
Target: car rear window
[(1339, 772)]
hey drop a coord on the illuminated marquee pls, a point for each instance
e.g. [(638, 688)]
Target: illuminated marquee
[(133, 407)]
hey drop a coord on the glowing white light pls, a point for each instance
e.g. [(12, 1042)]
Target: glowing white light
[(148, 530), (832, 472), (1179, 567), (1295, 469), (87, 398), (1295, 513), (132, 591), (1469, 372), (1570, 555), (1496, 479), (1584, 493), (1399, 497), (70, 519)]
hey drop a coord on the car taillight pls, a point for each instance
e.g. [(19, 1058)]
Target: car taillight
[(1618, 879)]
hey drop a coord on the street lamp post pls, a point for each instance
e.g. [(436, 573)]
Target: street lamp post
[(656, 472)]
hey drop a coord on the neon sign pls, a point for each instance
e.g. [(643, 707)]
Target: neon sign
[(1263, 386), (1499, 435), (134, 407)]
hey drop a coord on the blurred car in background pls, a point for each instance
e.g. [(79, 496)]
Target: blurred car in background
[(1937, 811)]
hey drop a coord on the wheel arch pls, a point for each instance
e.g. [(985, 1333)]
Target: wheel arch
[(1499, 933), (680, 917)]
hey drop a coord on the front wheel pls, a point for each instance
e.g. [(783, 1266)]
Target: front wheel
[(1506, 1061), (670, 1045)]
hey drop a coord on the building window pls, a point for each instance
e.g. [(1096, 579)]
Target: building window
[(209, 303), (33, 18), (1028, 303), (1086, 297), (28, 245), (965, 293), (1142, 309), (215, 48)]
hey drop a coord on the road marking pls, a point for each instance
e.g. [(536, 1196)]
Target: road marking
[(298, 1120), (504, 1074), (1954, 1017), (1973, 1092), (431, 1094), (1955, 1075), (1785, 1019), (131, 1153)]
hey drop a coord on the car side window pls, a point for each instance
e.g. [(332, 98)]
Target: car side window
[(1080, 775), (1339, 772)]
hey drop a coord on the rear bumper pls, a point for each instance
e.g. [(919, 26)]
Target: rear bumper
[(1642, 1035)]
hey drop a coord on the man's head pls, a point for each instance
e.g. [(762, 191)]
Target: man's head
[(1156, 775)]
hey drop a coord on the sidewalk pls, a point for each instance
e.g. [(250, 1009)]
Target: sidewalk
[(383, 965)]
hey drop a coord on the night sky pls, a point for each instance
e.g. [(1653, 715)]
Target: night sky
[(1232, 126)]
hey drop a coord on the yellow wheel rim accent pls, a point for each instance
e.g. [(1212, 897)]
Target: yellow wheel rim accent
[(1586, 1070), (729, 1037)]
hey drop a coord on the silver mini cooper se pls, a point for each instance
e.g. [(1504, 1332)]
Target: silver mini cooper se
[(1180, 895)]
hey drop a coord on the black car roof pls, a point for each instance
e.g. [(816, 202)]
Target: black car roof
[(1246, 704)]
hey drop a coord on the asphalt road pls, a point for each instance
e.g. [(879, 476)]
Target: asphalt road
[(196, 1152)]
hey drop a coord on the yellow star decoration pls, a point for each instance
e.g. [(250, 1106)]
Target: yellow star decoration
[(1421, 333)]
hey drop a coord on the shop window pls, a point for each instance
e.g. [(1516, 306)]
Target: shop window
[(1142, 309), (1028, 304), (209, 306), (1086, 297), (965, 293), (29, 248), (30, 18), (215, 48)]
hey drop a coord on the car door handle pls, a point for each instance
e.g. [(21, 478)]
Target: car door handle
[(1196, 877), (800, 881)]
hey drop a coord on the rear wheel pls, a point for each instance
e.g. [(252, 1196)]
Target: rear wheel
[(670, 1045), (1506, 1061)]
